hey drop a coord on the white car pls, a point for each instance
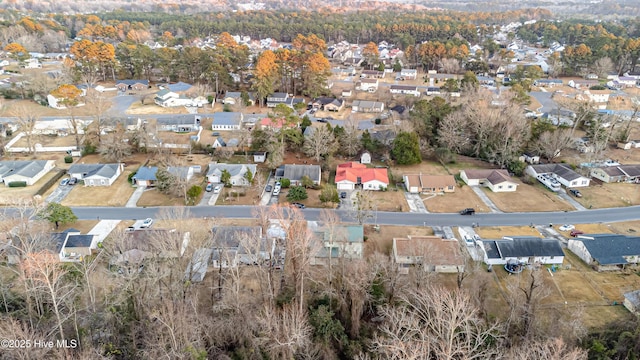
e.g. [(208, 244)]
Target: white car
[(276, 190), (146, 223), (566, 227), (217, 189)]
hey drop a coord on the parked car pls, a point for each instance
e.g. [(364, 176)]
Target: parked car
[(217, 189), (73, 181), (268, 188), (209, 187), (343, 195), (215, 133), (468, 211), (468, 240), (64, 182), (276, 190), (575, 233), (146, 223), (566, 227), (575, 193), (298, 205)]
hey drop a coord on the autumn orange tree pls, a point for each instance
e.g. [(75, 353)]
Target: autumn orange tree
[(95, 59), (17, 51), (370, 53), (265, 74)]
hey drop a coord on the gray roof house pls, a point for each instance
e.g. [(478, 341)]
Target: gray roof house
[(606, 251), (145, 176), (179, 123), (218, 142), (137, 85), (237, 172), (226, 121), (181, 172), (522, 249), (72, 246), (96, 174), (561, 172), (295, 173), (29, 171), (234, 245)]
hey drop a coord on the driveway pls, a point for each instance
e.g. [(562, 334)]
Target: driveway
[(122, 102), (485, 199), (209, 198), (59, 193), (475, 250), (102, 229), (347, 203), (133, 200), (568, 198), (416, 203)]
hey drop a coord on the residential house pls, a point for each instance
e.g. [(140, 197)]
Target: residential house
[(606, 251), (151, 244), (167, 98), (145, 176), (29, 171), (96, 174), (496, 180), (328, 104), (598, 96), (583, 84), (486, 80), (179, 87), (134, 85), (432, 91), (259, 157), (365, 158), (372, 74), (238, 173), (59, 103), (32, 64), (627, 81), (404, 89), (366, 106), (530, 158), (277, 98), (218, 143), (369, 85), (560, 172), (346, 93), (240, 245), (419, 183), (409, 74), (276, 124), (632, 301), (620, 173), (226, 121), (343, 73), (295, 173), (338, 242), (356, 175), (431, 253), (72, 246), (235, 97), (335, 105), (547, 83), (179, 123), (522, 250), (385, 137)]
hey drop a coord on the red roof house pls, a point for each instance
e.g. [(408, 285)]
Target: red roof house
[(352, 174)]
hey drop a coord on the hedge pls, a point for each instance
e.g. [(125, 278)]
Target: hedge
[(18, 184), (46, 186)]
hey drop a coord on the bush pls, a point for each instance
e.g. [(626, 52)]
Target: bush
[(130, 177), (210, 99), (15, 184), (297, 193), (68, 159), (378, 121), (285, 183)]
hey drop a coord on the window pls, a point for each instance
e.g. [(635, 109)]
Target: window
[(499, 186), (510, 186)]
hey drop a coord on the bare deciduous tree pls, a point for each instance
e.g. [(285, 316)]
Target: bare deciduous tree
[(115, 145), (285, 331), (551, 143), (363, 206), (602, 67), (26, 120), (320, 143)]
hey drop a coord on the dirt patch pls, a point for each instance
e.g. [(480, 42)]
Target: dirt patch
[(497, 232), (610, 195), (462, 198), (382, 241), (150, 108), (527, 198)]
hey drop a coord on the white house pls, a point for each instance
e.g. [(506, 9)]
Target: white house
[(238, 173), (494, 179), (522, 249), (404, 89), (370, 85), (409, 74), (96, 174), (29, 171), (560, 172), (32, 64), (366, 106), (259, 157), (353, 174), (226, 121), (606, 251)]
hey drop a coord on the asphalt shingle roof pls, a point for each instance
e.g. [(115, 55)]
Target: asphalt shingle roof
[(610, 249), (102, 170), (146, 173), (26, 168), (524, 246)]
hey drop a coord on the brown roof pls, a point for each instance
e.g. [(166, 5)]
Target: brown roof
[(612, 171), (433, 249), (431, 181)]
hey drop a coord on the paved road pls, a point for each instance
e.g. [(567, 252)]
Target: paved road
[(387, 218)]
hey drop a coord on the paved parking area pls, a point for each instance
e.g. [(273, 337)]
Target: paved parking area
[(59, 193)]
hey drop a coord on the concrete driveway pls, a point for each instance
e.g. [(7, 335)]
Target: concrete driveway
[(485, 199), (209, 198), (568, 198), (133, 200), (59, 193), (416, 203)]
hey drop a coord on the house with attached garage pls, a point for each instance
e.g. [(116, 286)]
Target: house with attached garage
[(560, 172), (409, 74), (226, 121), (179, 123), (620, 173), (494, 179), (431, 253), (606, 252), (295, 173), (429, 184), (523, 250), (352, 175), (29, 171), (365, 106), (235, 97), (283, 98), (238, 173), (96, 174), (145, 176), (404, 89), (547, 83), (338, 242), (72, 246), (135, 85)]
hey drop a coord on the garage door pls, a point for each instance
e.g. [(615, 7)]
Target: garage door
[(346, 186)]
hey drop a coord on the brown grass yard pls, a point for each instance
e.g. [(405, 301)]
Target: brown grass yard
[(528, 198), (382, 241), (150, 108), (610, 195), (390, 200), (240, 195), (10, 195), (462, 198), (115, 195), (82, 225), (497, 232), (48, 140), (430, 167), (153, 197)]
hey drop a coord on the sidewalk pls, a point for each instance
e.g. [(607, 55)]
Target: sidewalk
[(133, 200)]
